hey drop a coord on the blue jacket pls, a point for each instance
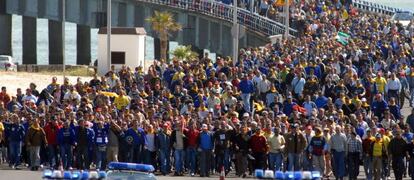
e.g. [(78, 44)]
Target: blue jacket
[(101, 135), (66, 136), (14, 132), (246, 86), (206, 141), (288, 108), (136, 138), (321, 101), (395, 111), (163, 140), (379, 107), (89, 133)]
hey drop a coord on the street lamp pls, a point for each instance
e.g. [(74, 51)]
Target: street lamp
[(235, 33), (108, 33), (286, 19), (63, 37)]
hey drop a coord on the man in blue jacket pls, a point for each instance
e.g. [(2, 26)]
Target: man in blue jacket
[(101, 140), (206, 146), (84, 141), (163, 145), (135, 137), (15, 135), (379, 105), (246, 87), (66, 140)]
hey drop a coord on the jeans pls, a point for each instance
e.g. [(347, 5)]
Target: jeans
[(368, 167), (398, 166), (318, 163), (275, 161), (52, 155), (259, 162), (34, 156), (3, 154), (223, 159), (353, 165), (294, 162), (135, 154), (246, 101), (178, 160), (150, 157), (411, 97), (191, 159), (306, 163), (377, 167), (205, 162), (82, 157), (100, 157), (165, 160), (66, 155), (339, 164), (15, 148)]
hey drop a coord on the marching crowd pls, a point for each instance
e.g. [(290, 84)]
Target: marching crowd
[(309, 103)]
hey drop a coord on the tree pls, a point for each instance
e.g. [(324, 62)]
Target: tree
[(184, 53), (164, 24)]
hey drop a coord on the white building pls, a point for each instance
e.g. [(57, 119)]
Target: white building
[(127, 48)]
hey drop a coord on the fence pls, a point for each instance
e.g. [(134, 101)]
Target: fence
[(374, 7), (251, 21)]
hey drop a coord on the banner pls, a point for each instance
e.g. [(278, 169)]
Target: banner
[(281, 3), (343, 38)]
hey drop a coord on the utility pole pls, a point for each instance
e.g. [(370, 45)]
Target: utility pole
[(235, 34), (63, 37), (108, 32), (286, 19)]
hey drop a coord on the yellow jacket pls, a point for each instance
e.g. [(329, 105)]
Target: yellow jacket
[(121, 102)]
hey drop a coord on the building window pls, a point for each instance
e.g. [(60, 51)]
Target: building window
[(117, 57)]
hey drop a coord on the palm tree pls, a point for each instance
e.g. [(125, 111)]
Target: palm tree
[(164, 24), (184, 53)]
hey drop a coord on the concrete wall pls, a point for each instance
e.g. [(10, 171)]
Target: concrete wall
[(200, 31)]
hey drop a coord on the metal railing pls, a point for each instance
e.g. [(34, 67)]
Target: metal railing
[(374, 7), (251, 21)]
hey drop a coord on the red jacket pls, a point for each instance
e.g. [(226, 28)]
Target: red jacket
[(192, 136), (51, 133), (5, 98), (258, 144)]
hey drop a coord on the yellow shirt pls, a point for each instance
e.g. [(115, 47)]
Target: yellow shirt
[(381, 83), (1, 127), (386, 141), (121, 102), (377, 149)]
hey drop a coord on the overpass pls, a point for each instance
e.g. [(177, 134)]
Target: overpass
[(206, 24)]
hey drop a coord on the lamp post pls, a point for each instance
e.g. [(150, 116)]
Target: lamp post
[(286, 19), (108, 33), (235, 33), (63, 37)]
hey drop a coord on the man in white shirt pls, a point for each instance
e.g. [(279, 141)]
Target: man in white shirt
[(263, 87), (29, 97), (72, 95), (298, 84), (393, 87)]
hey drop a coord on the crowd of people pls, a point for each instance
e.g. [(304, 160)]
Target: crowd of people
[(308, 103)]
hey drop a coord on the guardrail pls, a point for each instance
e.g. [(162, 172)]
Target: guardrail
[(374, 7), (251, 21)]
